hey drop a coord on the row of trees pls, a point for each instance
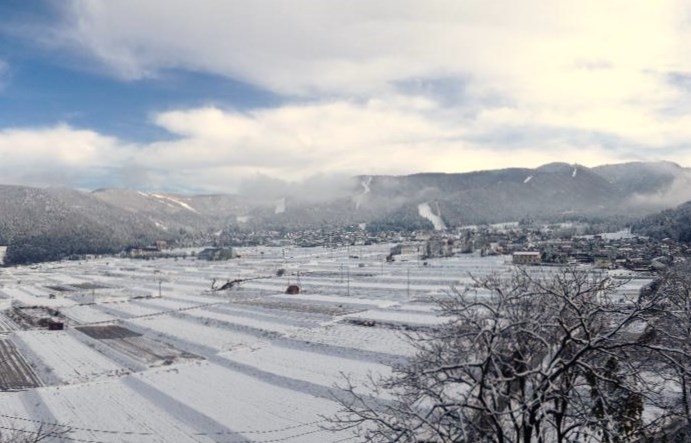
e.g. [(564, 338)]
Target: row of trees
[(41, 248), (524, 358)]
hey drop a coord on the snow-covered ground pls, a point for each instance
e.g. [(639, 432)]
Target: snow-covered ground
[(62, 359), (252, 364), (425, 211)]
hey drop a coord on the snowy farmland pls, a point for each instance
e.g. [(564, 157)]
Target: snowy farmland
[(150, 353)]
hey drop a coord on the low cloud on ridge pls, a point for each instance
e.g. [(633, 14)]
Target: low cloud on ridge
[(385, 87)]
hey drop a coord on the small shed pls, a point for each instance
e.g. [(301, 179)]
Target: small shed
[(56, 325), (293, 289)]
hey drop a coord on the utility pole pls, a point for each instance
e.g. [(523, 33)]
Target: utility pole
[(160, 281), (348, 287), (408, 283)]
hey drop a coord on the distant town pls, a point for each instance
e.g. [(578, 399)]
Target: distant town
[(555, 244)]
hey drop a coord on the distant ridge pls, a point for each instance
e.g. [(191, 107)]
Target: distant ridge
[(45, 224)]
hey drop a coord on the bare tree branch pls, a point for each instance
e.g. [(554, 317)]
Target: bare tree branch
[(537, 359)]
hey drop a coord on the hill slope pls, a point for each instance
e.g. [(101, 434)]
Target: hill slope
[(40, 224), (670, 223)]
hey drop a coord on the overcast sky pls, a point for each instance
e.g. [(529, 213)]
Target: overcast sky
[(204, 95)]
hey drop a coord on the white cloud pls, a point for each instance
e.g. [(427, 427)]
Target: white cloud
[(218, 150), (296, 141), (540, 81), (59, 155), (537, 50), (597, 66)]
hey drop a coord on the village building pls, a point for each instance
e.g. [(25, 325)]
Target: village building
[(216, 254), (405, 248), (438, 247), (526, 258)]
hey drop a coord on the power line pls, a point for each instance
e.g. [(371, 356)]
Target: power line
[(74, 428), (265, 431), (153, 314), (69, 428)]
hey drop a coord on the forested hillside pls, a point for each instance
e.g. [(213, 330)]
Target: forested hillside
[(48, 224)]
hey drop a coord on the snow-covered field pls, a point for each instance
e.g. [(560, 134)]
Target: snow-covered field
[(151, 354), (60, 358)]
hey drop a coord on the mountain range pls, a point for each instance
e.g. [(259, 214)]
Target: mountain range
[(48, 223)]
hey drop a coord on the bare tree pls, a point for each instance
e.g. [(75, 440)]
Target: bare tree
[(42, 432), (668, 339), (523, 359)]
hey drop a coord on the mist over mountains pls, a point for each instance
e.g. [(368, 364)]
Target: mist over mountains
[(45, 224)]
